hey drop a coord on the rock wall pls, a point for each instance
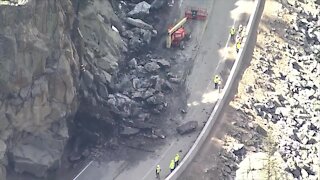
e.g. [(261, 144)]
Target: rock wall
[(38, 68), (43, 51)]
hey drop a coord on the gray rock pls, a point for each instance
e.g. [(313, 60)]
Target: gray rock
[(129, 131), (4, 123), (139, 23), (133, 63), (163, 63), (146, 36), (187, 127), (3, 172), (136, 43), (107, 63), (3, 149), (103, 91), (261, 130), (128, 34), (87, 78), (175, 80), (284, 111), (25, 92), (166, 86), (36, 154), (151, 67), (103, 77), (156, 99), (140, 10), (157, 4)]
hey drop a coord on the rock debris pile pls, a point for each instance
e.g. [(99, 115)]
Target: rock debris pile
[(285, 93)]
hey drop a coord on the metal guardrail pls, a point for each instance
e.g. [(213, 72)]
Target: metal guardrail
[(221, 102)]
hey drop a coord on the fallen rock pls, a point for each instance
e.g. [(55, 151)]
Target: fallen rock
[(238, 149), (146, 36), (133, 63), (163, 63), (156, 99), (37, 154), (261, 130), (136, 43), (157, 4), (139, 23), (129, 131), (187, 127), (151, 67), (140, 10)]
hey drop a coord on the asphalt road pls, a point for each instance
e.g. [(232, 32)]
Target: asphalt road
[(208, 47), (207, 154)]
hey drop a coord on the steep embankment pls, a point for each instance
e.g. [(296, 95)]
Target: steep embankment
[(279, 93), (41, 52)]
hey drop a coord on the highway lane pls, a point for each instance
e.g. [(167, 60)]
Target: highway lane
[(206, 158), (211, 37)]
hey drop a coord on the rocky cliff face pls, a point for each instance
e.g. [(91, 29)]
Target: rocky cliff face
[(42, 54), (39, 67)]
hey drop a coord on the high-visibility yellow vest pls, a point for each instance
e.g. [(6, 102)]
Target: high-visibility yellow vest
[(171, 166), (177, 158), (232, 31), (216, 79), (158, 169), (238, 45)]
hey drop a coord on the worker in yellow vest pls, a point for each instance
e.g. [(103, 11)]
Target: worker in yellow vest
[(216, 81), (238, 46), (171, 166), (158, 170), (176, 160), (232, 33)]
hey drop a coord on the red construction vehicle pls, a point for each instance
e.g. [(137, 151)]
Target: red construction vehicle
[(177, 34)]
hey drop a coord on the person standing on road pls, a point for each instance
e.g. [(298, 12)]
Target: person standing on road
[(216, 81), (158, 170), (171, 166), (238, 46), (176, 160), (232, 33)]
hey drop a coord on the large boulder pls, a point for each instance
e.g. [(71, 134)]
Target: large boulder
[(37, 154), (152, 67), (187, 127), (139, 23), (140, 10)]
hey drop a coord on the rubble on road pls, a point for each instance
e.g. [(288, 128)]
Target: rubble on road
[(187, 127)]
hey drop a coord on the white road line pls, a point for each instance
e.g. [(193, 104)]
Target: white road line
[(161, 157), (83, 170)]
